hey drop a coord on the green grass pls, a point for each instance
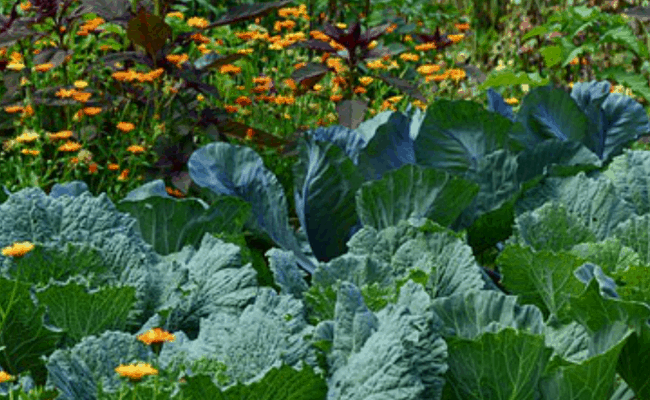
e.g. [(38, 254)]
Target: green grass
[(115, 161)]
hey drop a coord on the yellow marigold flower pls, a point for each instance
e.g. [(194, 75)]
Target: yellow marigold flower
[(113, 167), (30, 152), (204, 49), (28, 136), (456, 38), (457, 74), (377, 64), (284, 100), (366, 80), (65, 93), (428, 69), (198, 22), (425, 46), (422, 106), (80, 84), (15, 66), (5, 377), (18, 249), (135, 372), (409, 57), (176, 14), (156, 335)]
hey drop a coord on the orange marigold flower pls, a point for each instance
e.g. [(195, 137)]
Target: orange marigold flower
[(123, 175), (43, 67), (243, 101), (125, 126), (92, 110), (60, 135), (18, 249), (65, 93), (81, 97), (156, 335), (28, 111), (135, 149), (70, 146), (13, 109), (174, 192)]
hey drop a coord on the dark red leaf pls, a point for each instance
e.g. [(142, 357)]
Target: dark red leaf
[(314, 44), (249, 11), (372, 34), (441, 41), (403, 86)]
